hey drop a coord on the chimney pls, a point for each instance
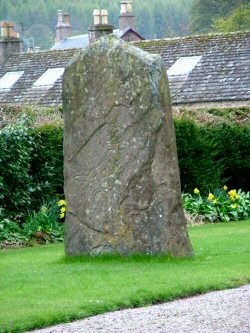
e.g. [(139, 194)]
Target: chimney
[(63, 27), (127, 17), (10, 42), (101, 27)]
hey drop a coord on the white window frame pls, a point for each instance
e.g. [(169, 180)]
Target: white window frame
[(183, 66), (9, 79), (49, 78)]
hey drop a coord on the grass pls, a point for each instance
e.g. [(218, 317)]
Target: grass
[(40, 286)]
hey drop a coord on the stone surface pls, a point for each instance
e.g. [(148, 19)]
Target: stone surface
[(122, 181)]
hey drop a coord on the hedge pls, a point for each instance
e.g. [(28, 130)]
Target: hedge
[(31, 160)]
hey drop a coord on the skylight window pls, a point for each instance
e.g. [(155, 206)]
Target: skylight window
[(184, 66), (48, 79), (9, 79)]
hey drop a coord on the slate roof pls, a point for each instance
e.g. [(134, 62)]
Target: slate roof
[(74, 42), (34, 65), (83, 40), (222, 73)]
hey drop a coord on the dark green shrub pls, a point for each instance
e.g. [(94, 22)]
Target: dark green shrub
[(47, 163), (233, 142), (199, 161), (31, 169), (16, 182)]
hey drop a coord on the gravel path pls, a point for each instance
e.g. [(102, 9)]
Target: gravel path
[(225, 311)]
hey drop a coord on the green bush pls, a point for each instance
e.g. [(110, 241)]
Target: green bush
[(16, 182), (233, 142), (47, 163), (198, 156), (212, 155), (31, 167)]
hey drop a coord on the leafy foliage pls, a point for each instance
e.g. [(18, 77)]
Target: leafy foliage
[(44, 226), (47, 162), (222, 206), (31, 167), (16, 183), (210, 155), (198, 157), (239, 19), (204, 12), (234, 147)]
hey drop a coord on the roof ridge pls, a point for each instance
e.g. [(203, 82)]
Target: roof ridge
[(215, 34)]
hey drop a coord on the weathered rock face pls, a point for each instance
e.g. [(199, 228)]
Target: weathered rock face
[(121, 172)]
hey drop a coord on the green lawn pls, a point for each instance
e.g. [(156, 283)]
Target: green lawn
[(40, 286)]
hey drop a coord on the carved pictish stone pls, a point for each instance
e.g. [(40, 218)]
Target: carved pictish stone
[(122, 183)]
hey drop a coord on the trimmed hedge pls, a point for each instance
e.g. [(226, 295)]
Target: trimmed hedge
[(213, 155), (31, 171), (31, 160)]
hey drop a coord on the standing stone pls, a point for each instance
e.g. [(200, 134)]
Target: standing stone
[(122, 181)]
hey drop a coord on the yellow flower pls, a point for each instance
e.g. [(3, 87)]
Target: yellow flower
[(237, 197), (234, 206), (232, 198), (62, 203), (63, 210), (225, 187), (62, 215), (232, 193), (196, 191), (211, 197)]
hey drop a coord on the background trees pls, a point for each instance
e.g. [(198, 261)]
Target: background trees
[(155, 19), (205, 12)]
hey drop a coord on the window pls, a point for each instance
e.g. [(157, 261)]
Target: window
[(9, 79), (184, 66), (48, 79)]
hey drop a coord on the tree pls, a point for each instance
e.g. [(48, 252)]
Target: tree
[(204, 12), (238, 20)]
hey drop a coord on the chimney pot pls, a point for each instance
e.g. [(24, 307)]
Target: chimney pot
[(104, 15), (97, 16)]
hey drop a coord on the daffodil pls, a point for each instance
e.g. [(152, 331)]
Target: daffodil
[(232, 193), (237, 197), (62, 203), (196, 191), (63, 210), (62, 215), (225, 187), (211, 197)]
